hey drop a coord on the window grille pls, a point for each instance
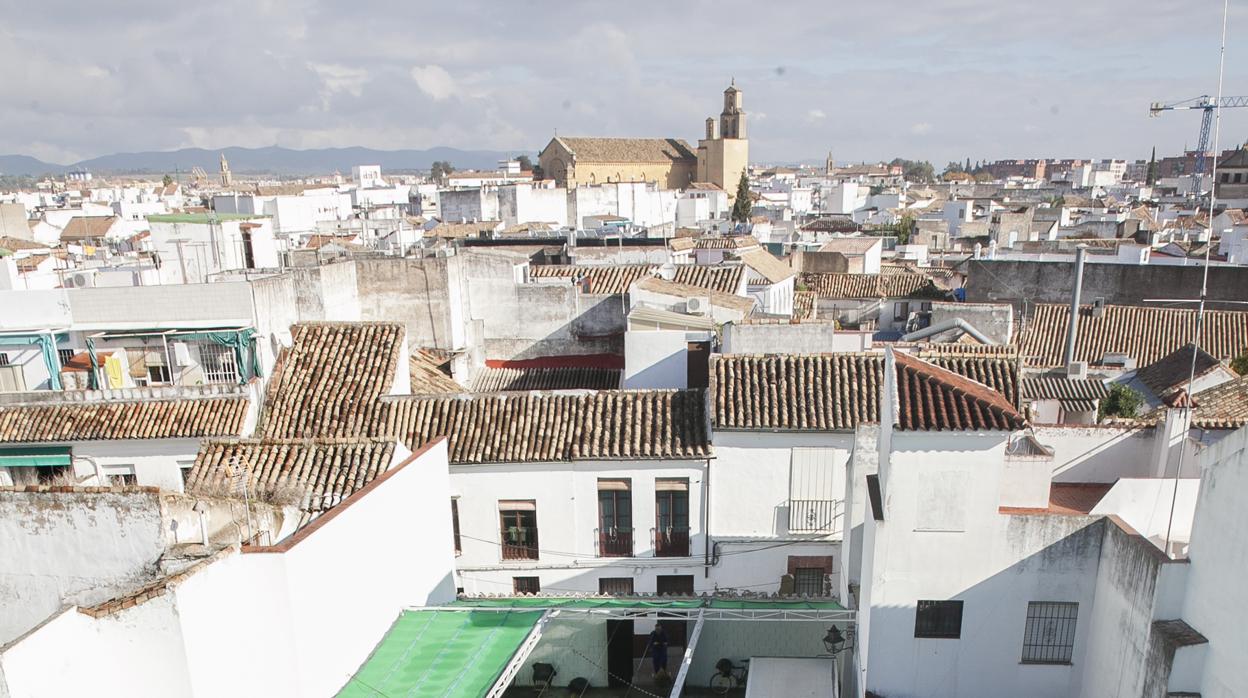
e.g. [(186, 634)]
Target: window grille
[(808, 581), (218, 363), (1049, 637), (615, 586), (938, 619), (526, 585), (65, 355)]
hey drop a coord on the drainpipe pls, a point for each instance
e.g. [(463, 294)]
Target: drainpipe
[(706, 520), (1072, 327)]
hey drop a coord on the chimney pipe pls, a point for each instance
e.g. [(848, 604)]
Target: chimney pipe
[(1072, 328)]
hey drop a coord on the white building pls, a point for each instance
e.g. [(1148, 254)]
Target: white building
[(192, 247)]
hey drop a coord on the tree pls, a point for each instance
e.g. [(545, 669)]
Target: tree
[(968, 166), (983, 177), (953, 167), (905, 229), (915, 170), (525, 163), (1121, 402), (167, 180), (1151, 179), (1239, 364), (741, 207), (440, 169)]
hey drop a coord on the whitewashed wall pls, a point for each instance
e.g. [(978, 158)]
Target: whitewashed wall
[(77, 548), (567, 518), (944, 538), (1218, 553), (1097, 453), (135, 654)]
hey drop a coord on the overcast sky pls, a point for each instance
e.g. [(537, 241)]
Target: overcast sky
[(938, 80)]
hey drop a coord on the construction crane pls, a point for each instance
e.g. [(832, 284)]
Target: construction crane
[(1208, 105)]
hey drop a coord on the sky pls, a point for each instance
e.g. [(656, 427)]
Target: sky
[(938, 80)]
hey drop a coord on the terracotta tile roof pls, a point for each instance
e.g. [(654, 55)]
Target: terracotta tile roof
[(327, 383), (556, 426), (1062, 388), (765, 264), (316, 242), (677, 244), (822, 392), (427, 375), (930, 398), (1147, 334), (724, 279), (661, 150), (319, 473), (803, 305), (1068, 499), (1224, 406), (18, 244), (1172, 370), (726, 242), (86, 227), (850, 286), (134, 419), (654, 284), (492, 380), (855, 245), (609, 279)]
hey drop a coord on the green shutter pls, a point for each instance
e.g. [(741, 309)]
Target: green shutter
[(34, 456)]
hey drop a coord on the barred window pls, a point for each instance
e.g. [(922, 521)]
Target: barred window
[(615, 586), (938, 619), (1050, 634), (808, 581), (65, 355), (218, 363), (526, 585)]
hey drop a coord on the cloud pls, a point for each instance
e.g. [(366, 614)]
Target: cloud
[(434, 81), (505, 76)]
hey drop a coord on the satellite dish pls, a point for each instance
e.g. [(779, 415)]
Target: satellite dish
[(667, 272)]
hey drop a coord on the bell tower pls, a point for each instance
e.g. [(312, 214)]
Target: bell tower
[(732, 118)]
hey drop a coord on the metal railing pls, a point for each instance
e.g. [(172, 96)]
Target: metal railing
[(615, 542), (672, 541), (814, 515), (519, 543)]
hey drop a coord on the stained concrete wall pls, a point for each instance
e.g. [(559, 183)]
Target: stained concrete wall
[(994, 320), (764, 338), (1119, 284), (422, 293), (72, 547)]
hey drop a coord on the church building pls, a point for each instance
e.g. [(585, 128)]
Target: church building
[(672, 163)]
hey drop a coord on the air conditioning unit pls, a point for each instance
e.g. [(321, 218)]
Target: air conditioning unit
[(80, 280), (1119, 360), (1077, 370), (698, 305)]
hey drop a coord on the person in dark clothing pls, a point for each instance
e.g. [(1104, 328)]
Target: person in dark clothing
[(658, 649)]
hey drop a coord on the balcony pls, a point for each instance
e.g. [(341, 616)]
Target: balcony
[(615, 542), (671, 542), (814, 515), (519, 543)]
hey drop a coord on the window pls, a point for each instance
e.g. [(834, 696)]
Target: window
[(459, 548), (1050, 634), (615, 586), (218, 363), (674, 584), (65, 355), (124, 479), (158, 374), (526, 585), (671, 514), (938, 619), (808, 581), (4, 359), (814, 490), (615, 518), (901, 310), (519, 529), (1226, 178)]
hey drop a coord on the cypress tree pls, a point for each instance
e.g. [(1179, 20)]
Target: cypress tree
[(741, 207)]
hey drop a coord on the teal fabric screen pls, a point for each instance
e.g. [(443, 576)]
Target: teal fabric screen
[(47, 347)]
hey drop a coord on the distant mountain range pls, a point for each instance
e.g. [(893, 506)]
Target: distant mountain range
[(272, 160)]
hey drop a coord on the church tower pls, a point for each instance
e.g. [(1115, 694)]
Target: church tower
[(724, 156), (226, 178)]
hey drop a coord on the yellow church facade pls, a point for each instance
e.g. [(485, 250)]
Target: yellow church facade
[(720, 158)]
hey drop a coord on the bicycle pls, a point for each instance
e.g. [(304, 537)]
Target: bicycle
[(729, 676)]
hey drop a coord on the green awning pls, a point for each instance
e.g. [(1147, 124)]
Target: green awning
[(34, 456), (448, 654), (577, 602)]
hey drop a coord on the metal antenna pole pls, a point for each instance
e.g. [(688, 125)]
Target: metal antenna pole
[(1204, 283)]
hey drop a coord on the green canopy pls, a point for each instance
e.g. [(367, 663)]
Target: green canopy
[(243, 342), (34, 456), (47, 347), (448, 654)]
